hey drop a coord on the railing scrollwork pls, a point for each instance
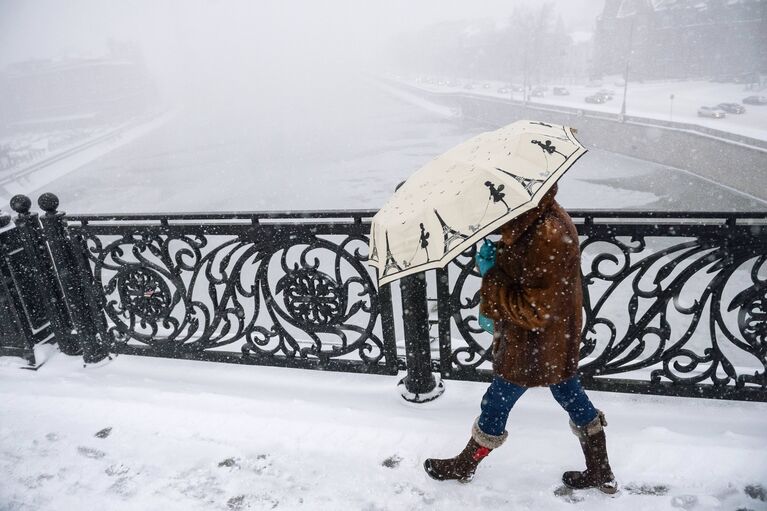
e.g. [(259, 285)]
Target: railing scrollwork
[(275, 294), (671, 306)]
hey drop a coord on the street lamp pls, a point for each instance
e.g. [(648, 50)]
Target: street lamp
[(628, 62), (627, 9)]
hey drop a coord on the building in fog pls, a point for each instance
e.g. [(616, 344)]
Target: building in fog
[(74, 92), (682, 38)]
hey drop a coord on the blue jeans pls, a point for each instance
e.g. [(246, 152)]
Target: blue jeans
[(502, 394)]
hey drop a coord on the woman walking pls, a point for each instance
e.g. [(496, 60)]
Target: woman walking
[(534, 297)]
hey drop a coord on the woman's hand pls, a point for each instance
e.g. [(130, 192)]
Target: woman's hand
[(485, 257)]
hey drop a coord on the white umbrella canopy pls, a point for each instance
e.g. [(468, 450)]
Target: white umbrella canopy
[(463, 195)]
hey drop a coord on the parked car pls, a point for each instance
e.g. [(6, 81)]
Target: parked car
[(517, 88), (504, 90), (711, 111), (560, 91), (596, 98), (538, 92), (486, 86), (731, 108), (468, 86), (755, 100), (607, 93)]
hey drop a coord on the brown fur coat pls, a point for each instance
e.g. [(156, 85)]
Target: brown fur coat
[(534, 295)]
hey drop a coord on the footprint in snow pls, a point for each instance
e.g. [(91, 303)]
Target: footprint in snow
[(756, 492), (91, 453), (405, 488), (646, 489), (568, 494), (695, 502), (103, 433), (235, 503), (258, 464), (125, 487), (230, 463), (116, 470), (392, 461), (35, 482), (684, 501)]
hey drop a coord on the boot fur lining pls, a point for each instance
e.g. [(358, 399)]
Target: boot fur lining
[(485, 440), (592, 428)]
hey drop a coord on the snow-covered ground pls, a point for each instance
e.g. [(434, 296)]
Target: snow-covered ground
[(149, 434), (651, 100)]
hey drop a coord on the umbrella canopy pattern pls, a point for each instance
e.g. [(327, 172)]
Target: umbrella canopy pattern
[(463, 195)]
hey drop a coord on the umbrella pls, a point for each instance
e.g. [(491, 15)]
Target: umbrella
[(465, 194)]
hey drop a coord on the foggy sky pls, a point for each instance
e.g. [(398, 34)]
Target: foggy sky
[(206, 36)]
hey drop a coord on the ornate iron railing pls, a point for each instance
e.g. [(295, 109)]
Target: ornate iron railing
[(286, 289), (674, 303)]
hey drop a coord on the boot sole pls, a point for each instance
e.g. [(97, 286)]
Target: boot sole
[(607, 490), (610, 492)]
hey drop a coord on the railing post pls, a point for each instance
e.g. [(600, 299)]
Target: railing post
[(11, 322), (75, 281), (420, 385), (42, 274)]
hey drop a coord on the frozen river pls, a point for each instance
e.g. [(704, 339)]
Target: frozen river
[(326, 147)]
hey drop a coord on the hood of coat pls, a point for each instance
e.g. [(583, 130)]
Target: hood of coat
[(513, 230)]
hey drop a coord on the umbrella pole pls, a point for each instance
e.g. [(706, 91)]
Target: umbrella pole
[(420, 385)]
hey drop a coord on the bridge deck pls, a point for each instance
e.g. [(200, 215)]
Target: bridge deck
[(195, 436)]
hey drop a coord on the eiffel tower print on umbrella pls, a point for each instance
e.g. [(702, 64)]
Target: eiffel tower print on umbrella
[(466, 193), (391, 263), (530, 185), (449, 235)]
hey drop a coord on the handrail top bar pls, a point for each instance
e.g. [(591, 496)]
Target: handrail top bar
[(627, 213), (359, 214), (341, 214)]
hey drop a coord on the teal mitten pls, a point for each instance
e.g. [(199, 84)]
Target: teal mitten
[(485, 259)]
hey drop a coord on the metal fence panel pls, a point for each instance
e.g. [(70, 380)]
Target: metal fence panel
[(673, 304), (269, 289)]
